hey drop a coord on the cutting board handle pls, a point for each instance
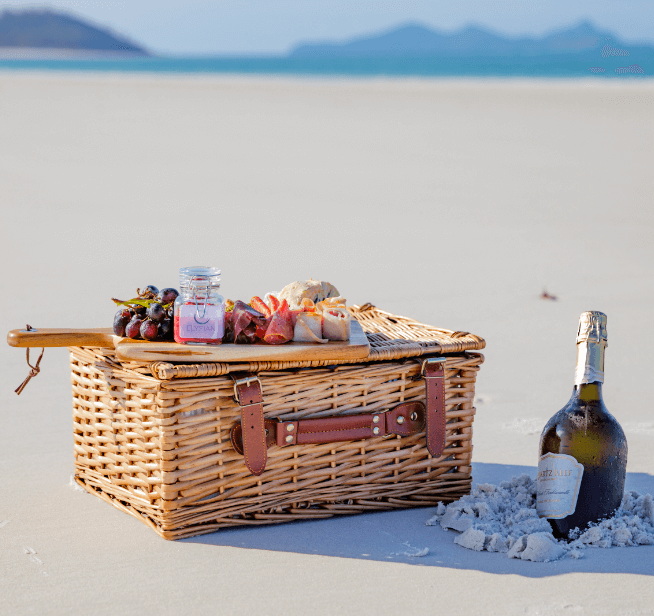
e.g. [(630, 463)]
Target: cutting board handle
[(41, 337)]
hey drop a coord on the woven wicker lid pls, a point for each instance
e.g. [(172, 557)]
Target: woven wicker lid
[(386, 330)]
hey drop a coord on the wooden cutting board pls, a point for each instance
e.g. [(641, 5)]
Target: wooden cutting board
[(357, 347)]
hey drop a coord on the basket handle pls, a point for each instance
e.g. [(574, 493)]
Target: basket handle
[(254, 434), (405, 419)]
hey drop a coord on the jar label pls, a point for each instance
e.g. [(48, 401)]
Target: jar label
[(559, 479), (209, 325)]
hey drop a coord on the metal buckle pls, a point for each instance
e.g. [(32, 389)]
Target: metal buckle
[(246, 381), (432, 360)]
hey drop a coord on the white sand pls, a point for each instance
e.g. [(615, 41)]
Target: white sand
[(504, 519), (453, 202)]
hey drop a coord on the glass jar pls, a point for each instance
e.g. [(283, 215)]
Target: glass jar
[(199, 310)]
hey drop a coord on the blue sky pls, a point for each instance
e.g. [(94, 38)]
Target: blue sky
[(275, 26)]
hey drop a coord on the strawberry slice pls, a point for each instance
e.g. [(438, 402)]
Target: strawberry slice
[(275, 303), (258, 304)]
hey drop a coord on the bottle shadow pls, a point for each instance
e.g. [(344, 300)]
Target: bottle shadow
[(401, 536)]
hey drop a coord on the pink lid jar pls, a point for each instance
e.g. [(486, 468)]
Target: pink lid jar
[(199, 310)]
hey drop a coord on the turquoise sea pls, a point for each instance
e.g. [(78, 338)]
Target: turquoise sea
[(639, 64)]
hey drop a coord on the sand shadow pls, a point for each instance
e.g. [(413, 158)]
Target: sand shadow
[(394, 536)]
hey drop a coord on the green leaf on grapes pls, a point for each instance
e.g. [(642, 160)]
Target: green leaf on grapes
[(146, 303), (139, 301)]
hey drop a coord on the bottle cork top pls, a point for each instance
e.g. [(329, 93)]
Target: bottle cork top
[(592, 327)]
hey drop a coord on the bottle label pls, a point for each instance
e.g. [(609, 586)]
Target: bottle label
[(209, 324), (559, 479)]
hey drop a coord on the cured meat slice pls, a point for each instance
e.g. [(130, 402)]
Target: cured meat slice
[(262, 328), (246, 321), (280, 329), (229, 327), (294, 315)]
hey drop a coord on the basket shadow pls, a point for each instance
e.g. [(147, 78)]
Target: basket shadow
[(400, 536)]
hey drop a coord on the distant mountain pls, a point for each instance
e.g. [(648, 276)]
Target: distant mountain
[(418, 40), (40, 29)]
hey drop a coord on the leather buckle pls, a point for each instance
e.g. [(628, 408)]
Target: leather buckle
[(246, 381), (236, 434), (433, 360), (249, 396)]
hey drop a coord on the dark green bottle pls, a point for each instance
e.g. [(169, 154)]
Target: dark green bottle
[(583, 451)]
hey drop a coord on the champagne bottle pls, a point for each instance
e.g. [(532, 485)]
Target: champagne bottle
[(583, 451)]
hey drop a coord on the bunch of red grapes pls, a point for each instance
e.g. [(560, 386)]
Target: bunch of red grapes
[(148, 316)]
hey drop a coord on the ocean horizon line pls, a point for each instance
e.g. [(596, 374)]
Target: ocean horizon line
[(577, 65)]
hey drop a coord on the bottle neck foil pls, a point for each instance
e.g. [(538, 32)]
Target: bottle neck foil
[(590, 362)]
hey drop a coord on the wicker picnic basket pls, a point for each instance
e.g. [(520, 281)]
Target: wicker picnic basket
[(156, 440)]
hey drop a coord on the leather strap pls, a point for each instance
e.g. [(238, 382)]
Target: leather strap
[(255, 450), (434, 372), (404, 420), (253, 435)]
